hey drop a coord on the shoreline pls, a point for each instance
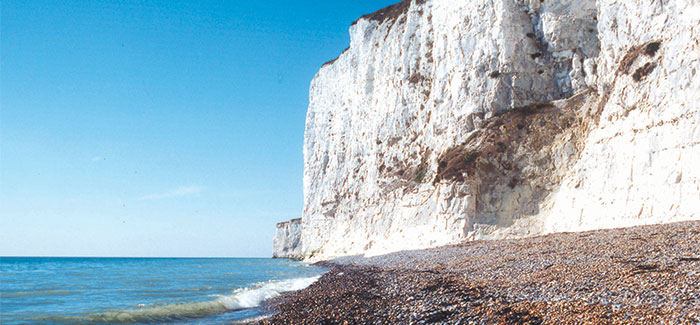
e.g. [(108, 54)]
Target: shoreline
[(643, 274)]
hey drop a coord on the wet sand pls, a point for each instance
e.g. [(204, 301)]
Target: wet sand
[(645, 274)]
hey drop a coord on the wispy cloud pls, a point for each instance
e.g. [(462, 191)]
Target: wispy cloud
[(98, 158), (178, 192)]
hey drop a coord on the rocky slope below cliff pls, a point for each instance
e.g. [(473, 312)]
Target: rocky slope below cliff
[(453, 120)]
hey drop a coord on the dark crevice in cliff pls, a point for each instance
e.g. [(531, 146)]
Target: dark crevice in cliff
[(649, 49), (643, 71)]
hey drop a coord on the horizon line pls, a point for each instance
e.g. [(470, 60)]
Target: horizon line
[(106, 257)]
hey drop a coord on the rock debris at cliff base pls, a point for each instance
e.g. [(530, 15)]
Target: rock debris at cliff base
[(644, 274)]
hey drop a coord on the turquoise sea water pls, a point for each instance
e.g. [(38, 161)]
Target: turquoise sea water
[(47, 290)]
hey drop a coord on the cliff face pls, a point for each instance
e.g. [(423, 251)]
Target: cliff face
[(638, 164), (452, 120), (287, 241)]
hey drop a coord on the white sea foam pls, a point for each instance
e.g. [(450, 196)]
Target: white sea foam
[(253, 297), (240, 299)]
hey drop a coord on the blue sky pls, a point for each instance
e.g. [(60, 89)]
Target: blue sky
[(157, 128)]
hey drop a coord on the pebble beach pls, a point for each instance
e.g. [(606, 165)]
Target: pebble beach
[(644, 274)]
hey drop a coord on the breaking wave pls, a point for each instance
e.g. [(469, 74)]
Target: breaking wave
[(243, 298)]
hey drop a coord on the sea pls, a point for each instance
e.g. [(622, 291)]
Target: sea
[(79, 290)]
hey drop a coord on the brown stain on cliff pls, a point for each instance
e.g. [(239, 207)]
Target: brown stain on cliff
[(530, 126), (389, 13), (336, 59), (523, 152)]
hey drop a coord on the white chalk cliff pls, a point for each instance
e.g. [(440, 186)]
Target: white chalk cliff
[(287, 241), (454, 120)]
